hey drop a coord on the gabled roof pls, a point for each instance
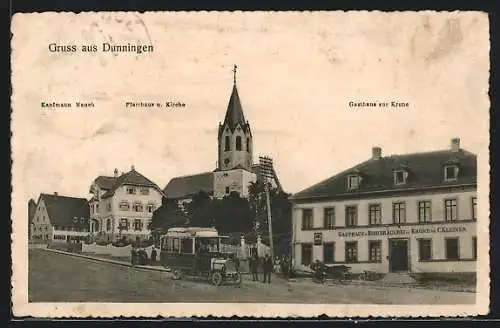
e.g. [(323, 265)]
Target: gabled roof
[(132, 178), (189, 185), (63, 209), (234, 114), (105, 182), (425, 170)]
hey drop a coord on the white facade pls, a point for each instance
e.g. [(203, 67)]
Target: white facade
[(44, 230), (237, 180), (448, 230), (127, 212)]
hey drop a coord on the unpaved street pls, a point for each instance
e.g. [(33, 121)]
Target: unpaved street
[(62, 278)]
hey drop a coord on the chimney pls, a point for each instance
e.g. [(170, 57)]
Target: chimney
[(116, 173), (455, 145), (132, 168), (55, 193), (376, 153)]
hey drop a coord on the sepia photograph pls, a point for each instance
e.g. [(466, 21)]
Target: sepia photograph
[(263, 164)]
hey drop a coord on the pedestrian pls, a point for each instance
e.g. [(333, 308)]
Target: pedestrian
[(267, 267), (153, 256), (254, 266), (133, 256)]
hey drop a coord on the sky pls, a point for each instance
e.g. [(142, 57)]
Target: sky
[(297, 73)]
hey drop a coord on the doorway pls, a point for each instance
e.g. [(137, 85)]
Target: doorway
[(398, 255)]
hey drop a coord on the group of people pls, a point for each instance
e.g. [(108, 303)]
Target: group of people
[(266, 264), (140, 256)]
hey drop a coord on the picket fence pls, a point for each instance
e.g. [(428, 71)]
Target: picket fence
[(114, 251)]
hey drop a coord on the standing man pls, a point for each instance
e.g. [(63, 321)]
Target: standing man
[(268, 268), (254, 266), (153, 256)]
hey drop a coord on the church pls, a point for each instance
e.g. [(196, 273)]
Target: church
[(235, 169)]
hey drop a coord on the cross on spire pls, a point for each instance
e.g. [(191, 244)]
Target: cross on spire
[(234, 73)]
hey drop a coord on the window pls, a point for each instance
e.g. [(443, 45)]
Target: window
[(108, 225), (329, 252), (351, 251), (424, 211), (130, 190), (450, 210), (474, 248), (124, 206), (307, 218), (123, 224), (187, 245), (97, 208), (108, 206), (151, 208), (450, 172), (351, 216), (306, 257), (352, 182), (248, 144), (137, 224), (138, 207), (399, 177), (144, 191), (238, 143), (452, 249), (474, 208), (398, 213), (227, 190), (375, 214), (375, 249), (227, 143), (424, 249), (329, 218)]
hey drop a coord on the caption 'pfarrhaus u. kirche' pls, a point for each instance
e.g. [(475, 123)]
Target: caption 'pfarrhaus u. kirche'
[(411, 212)]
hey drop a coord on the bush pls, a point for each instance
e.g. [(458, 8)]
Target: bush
[(102, 243)]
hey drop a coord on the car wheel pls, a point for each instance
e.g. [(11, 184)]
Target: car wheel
[(216, 279)]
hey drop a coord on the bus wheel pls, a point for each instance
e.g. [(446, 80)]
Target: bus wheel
[(216, 279), (177, 274)]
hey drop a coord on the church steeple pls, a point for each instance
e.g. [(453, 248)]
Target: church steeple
[(235, 138)]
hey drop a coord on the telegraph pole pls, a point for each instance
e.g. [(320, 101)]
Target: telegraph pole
[(266, 167)]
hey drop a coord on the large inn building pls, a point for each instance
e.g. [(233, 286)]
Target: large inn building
[(401, 213)]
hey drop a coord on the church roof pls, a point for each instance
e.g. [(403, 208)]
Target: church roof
[(189, 185)]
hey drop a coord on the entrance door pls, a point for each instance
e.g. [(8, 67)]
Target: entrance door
[(398, 255)]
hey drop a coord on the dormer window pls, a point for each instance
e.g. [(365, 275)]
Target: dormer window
[(450, 172), (400, 177), (353, 181)]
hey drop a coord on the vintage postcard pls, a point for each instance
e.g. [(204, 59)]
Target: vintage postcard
[(256, 164)]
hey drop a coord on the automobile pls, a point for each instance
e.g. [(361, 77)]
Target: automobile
[(199, 252)]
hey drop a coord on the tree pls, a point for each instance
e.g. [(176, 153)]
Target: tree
[(168, 215), (233, 214), (281, 211), (200, 210)]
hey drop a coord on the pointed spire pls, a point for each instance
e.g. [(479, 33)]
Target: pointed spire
[(234, 113)]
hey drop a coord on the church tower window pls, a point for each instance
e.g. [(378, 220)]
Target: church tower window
[(248, 144), (227, 143), (238, 143)]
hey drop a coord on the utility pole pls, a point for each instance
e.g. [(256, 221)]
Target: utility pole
[(266, 167)]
